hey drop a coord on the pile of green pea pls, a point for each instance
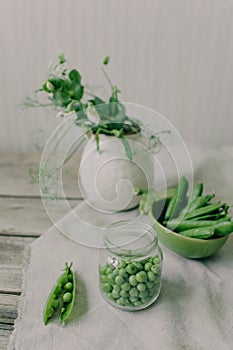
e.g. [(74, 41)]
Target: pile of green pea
[(131, 283)]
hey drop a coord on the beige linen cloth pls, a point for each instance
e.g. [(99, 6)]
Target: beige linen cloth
[(194, 310)]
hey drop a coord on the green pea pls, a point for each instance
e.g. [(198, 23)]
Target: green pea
[(109, 270), (125, 300), (141, 287), (150, 285), (124, 293), (122, 264), (102, 269), (106, 287), (111, 279), (147, 266), (141, 276), (133, 299), (138, 303), (55, 303), (121, 301), (132, 280), (57, 291), (146, 300), (133, 292), (110, 296), (115, 294), (116, 288), (70, 277), (104, 278), (115, 272), (63, 280), (50, 312), (152, 292), (131, 269), (143, 294), (123, 273), (68, 286), (156, 260), (119, 280), (155, 269), (138, 265), (151, 276), (125, 286), (67, 297)]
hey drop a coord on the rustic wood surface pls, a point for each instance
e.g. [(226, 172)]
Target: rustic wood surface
[(23, 219)]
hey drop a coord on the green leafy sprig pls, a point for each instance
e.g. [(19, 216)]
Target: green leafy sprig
[(67, 93)]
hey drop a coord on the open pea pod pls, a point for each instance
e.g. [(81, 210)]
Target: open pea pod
[(68, 298), (53, 301)]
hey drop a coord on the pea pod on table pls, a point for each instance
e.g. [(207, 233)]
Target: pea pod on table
[(59, 298)]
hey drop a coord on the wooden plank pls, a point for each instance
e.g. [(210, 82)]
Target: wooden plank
[(12, 250), (8, 308), (10, 279), (11, 263), (6, 326), (4, 338), (15, 178), (27, 216)]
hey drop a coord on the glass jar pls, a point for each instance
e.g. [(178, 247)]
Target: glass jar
[(130, 265)]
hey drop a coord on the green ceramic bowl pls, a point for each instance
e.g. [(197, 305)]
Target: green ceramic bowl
[(188, 247)]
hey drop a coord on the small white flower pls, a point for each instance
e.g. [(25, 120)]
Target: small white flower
[(92, 114)]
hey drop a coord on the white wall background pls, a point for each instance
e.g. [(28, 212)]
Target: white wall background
[(175, 56)]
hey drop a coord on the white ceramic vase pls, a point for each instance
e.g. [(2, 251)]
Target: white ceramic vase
[(107, 177)]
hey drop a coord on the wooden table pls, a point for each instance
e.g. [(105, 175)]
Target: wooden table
[(22, 220)]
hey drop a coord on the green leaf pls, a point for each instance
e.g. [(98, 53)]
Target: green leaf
[(74, 75), (106, 60), (58, 83), (60, 98), (78, 92), (127, 148)]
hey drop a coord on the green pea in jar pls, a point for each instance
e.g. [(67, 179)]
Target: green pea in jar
[(130, 265)]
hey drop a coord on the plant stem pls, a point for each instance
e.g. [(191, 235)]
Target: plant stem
[(73, 152), (107, 77)]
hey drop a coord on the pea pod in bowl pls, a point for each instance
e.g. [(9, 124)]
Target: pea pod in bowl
[(196, 229)]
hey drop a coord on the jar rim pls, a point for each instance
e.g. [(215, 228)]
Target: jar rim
[(130, 238)]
